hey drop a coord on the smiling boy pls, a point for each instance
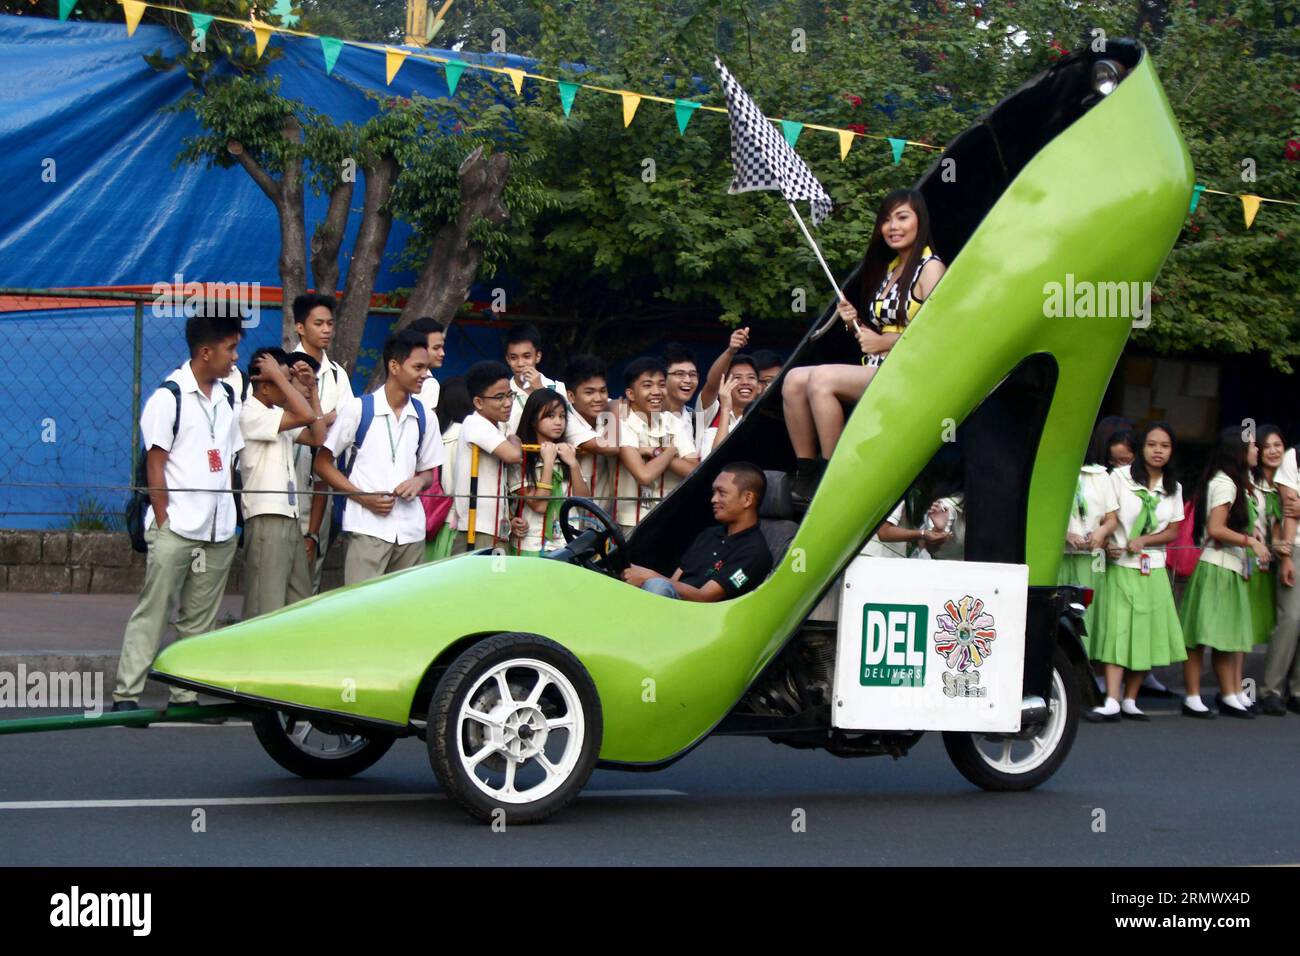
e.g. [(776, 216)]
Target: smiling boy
[(398, 445), (489, 389), (655, 452)]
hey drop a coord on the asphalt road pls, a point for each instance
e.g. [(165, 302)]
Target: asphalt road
[(1174, 792)]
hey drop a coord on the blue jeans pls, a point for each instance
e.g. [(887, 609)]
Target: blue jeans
[(661, 586)]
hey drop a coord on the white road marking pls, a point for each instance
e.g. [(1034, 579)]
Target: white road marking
[(265, 801)]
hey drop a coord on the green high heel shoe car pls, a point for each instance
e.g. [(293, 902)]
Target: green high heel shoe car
[(523, 674)]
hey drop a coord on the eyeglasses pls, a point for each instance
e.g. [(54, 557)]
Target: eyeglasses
[(499, 397), (687, 375)]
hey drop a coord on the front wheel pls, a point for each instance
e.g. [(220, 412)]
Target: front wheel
[(1005, 762), (317, 753), (514, 728)]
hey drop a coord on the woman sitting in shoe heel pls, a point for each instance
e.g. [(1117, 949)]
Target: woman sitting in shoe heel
[(1216, 610), (899, 271)]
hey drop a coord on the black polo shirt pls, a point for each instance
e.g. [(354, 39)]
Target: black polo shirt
[(739, 563)]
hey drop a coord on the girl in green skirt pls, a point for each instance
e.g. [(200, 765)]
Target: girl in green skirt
[(1093, 516), (546, 477), (1268, 525), (1216, 606), (1139, 625)]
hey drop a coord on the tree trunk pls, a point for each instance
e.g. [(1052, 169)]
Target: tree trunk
[(287, 196), (367, 256), (453, 260), (293, 235), (328, 237)]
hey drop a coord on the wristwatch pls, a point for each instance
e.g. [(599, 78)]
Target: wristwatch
[(314, 538)]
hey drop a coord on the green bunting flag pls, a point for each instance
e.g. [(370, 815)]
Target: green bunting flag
[(897, 146), (567, 92), (65, 8), (791, 129), (453, 68), (284, 10), (201, 22), (685, 110), (331, 47), (1196, 198)]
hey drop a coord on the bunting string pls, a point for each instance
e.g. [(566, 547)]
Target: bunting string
[(332, 47)]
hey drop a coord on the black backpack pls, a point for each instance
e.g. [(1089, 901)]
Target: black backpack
[(139, 499)]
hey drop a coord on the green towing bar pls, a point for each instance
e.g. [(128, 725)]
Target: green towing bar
[(126, 718)]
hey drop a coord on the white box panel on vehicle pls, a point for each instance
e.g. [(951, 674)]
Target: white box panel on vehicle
[(930, 645)]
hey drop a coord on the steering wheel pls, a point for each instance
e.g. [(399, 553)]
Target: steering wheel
[(606, 547)]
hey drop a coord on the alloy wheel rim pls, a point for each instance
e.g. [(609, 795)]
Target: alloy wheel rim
[(1007, 754), (520, 731)]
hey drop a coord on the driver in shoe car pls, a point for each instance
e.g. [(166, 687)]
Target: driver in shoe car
[(725, 561)]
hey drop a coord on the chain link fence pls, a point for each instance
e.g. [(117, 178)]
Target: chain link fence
[(75, 369)]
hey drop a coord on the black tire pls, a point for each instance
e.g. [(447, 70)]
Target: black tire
[(964, 751), (272, 734), (447, 741)]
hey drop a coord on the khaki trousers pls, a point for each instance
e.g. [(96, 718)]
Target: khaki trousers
[(1281, 663), (368, 557), (275, 564), (181, 576)]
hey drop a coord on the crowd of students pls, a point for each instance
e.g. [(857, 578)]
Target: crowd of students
[(274, 438), (1131, 525)]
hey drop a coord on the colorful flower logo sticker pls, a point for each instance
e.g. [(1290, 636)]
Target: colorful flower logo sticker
[(966, 634)]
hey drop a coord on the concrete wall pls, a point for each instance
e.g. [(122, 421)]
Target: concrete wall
[(98, 562)]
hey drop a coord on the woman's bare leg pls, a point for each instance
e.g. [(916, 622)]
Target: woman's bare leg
[(830, 386), (1192, 670), (798, 414)]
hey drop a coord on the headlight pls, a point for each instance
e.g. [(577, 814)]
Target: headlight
[(1105, 76)]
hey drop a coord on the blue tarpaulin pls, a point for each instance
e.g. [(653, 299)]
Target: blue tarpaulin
[(92, 200)]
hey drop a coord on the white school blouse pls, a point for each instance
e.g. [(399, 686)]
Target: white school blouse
[(1169, 508), (1220, 491), (1094, 498)]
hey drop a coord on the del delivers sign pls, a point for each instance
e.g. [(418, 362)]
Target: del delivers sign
[(930, 645)]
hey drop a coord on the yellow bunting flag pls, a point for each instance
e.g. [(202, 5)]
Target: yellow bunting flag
[(393, 60), (630, 102), (134, 10), (1249, 206), (846, 142), (516, 77), (262, 35)]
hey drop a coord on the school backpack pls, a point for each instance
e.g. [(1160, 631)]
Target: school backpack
[(363, 428), (138, 501), (1182, 553)]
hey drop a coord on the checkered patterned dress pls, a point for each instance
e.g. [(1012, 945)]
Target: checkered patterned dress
[(887, 312)]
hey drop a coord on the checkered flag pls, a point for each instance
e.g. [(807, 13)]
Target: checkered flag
[(761, 156)]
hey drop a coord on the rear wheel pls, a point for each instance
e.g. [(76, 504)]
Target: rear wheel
[(514, 728), (319, 753), (1010, 762)]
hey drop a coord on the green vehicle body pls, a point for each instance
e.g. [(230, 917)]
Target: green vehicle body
[(1103, 200)]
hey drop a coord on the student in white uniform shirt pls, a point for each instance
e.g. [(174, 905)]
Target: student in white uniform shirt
[(313, 319), (683, 381), (524, 357), (707, 410), (1139, 623), (893, 537), (589, 399), (655, 453), (282, 411), (1281, 684), (489, 389), (435, 334), (191, 436), (545, 477), (393, 464)]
